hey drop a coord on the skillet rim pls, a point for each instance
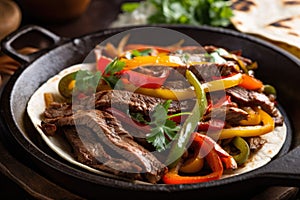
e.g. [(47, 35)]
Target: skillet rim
[(38, 154)]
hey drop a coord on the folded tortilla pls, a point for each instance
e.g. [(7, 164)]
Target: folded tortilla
[(36, 107), (277, 21)]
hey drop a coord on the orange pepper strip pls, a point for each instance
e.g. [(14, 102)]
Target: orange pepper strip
[(226, 158), (250, 83), (213, 160)]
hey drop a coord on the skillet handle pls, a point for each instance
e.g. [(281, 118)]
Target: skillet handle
[(7, 44), (285, 170)]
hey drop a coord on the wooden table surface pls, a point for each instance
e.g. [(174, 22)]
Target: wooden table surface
[(14, 181)]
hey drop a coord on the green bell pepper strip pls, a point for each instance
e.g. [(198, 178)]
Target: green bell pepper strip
[(191, 123), (244, 149)]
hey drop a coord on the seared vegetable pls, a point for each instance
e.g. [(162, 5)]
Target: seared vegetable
[(250, 131), (67, 84), (190, 124), (244, 150), (169, 100)]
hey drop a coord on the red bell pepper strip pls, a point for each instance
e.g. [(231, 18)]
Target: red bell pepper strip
[(213, 124), (250, 83), (226, 158), (143, 80), (213, 160), (102, 63), (121, 116)]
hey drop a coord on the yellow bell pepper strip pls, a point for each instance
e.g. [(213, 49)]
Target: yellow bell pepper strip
[(222, 84), (250, 131), (164, 93), (190, 124), (253, 117), (163, 60), (186, 93), (244, 149), (250, 83), (213, 160)]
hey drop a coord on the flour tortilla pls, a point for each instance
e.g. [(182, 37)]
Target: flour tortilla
[(277, 21), (36, 107)]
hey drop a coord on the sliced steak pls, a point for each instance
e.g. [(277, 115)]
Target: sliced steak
[(124, 100), (230, 113), (253, 98), (207, 71), (87, 149), (255, 143), (56, 110), (116, 139)]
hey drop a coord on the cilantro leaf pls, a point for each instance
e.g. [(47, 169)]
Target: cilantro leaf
[(87, 81), (109, 75), (163, 130), (135, 53)]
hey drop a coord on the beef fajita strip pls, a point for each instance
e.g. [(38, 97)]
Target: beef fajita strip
[(230, 113), (122, 99), (111, 133), (209, 71), (253, 98), (88, 150)]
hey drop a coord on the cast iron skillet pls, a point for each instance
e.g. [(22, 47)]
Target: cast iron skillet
[(278, 68)]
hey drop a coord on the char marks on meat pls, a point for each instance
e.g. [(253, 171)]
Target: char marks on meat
[(88, 150), (115, 139), (57, 110), (253, 98), (230, 113), (123, 100), (207, 71)]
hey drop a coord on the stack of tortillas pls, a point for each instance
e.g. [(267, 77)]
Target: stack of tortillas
[(277, 21)]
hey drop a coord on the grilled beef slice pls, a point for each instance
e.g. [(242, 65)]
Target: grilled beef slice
[(207, 71), (88, 150), (57, 110), (230, 113), (123, 100), (246, 97), (117, 140)]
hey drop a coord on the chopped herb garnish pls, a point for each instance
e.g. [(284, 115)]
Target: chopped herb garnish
[(135, 53), (195, 12), (87, 81), (163, 130), (109, 75)]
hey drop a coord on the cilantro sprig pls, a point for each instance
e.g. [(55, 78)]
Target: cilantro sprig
[(195, 12), (163, 130), (109, 75), (87, 81)]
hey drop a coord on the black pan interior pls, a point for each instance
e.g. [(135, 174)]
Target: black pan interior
[(276, 67)]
